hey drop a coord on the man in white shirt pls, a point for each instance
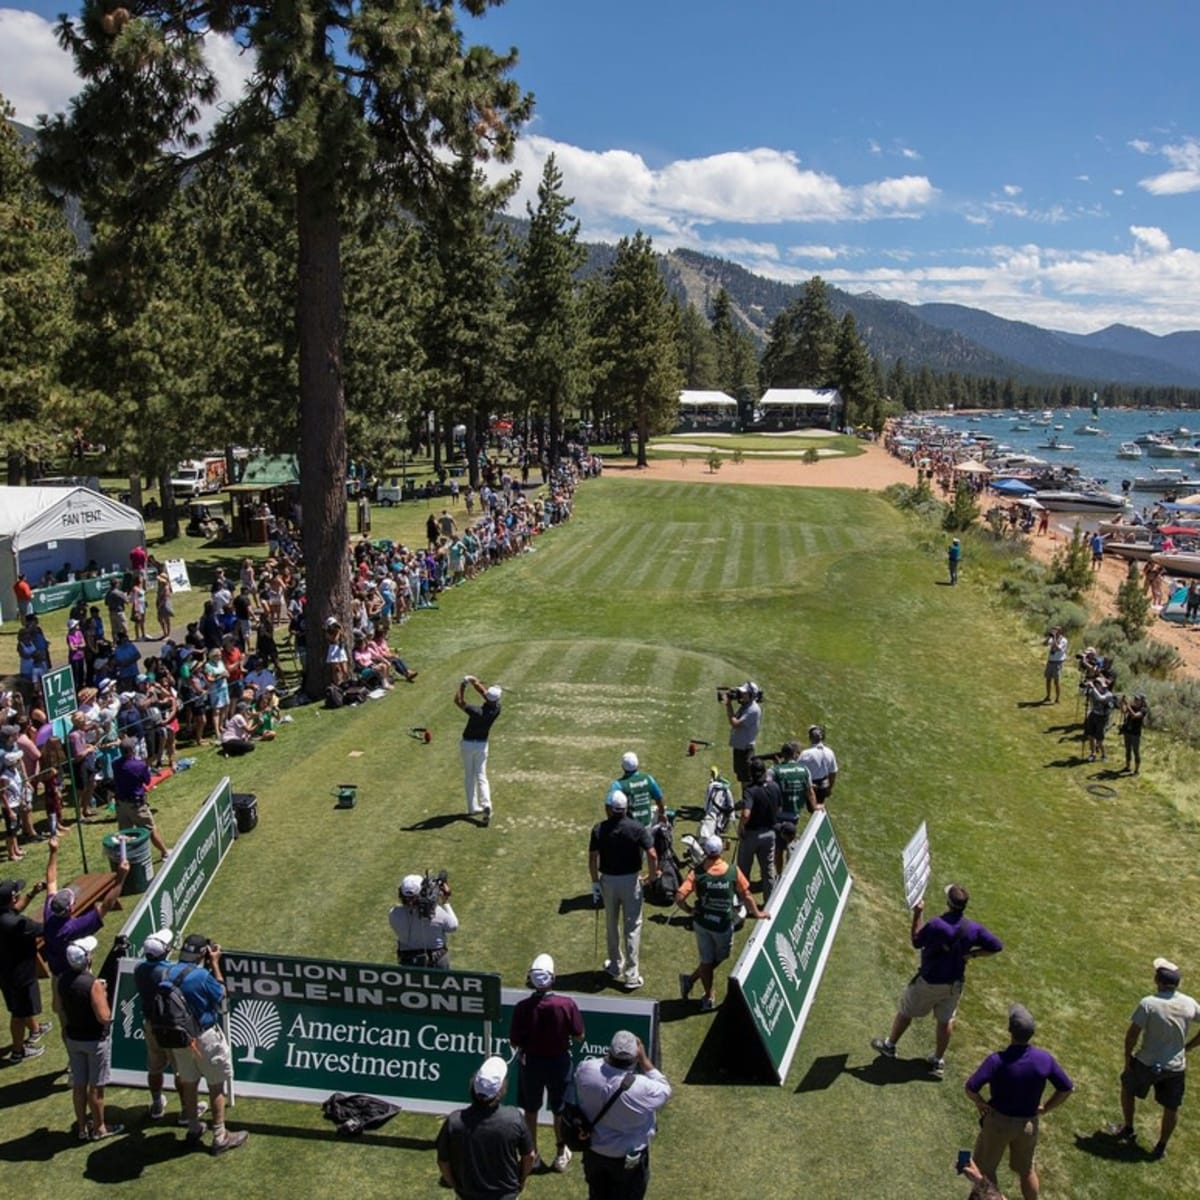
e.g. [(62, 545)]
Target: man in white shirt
[(821, 763)]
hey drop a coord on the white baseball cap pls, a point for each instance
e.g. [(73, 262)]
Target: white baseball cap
[(80, 951), (541, 972), (490, 1079), (493, 693), (410, 885), (629, 761)]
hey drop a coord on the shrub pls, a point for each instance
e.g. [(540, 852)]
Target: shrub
[(1134, 613), (1072, 565), (964, 512), (738, 457), (810, 456), (714, 461), (1150, 658)]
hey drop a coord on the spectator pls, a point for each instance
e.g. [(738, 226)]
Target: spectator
[(18, 971), (87, 1031)]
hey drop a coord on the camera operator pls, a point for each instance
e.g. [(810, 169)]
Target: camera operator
[(1134, 713), (1100, 702), (743, 724), (1056, 655), (422, 920)]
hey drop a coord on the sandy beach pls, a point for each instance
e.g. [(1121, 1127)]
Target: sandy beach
[(873, 471)]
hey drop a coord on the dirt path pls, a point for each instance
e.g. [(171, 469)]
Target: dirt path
[(873, 471)]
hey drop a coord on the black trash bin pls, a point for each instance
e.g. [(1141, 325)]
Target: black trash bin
[(245, 811)]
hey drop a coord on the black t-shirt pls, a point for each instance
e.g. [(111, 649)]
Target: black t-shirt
[(764, 800), (480, 718), (620, 841), (484, 1145), (75, 992), (18, 947)]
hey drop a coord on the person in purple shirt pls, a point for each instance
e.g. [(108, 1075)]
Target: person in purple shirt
[(59, 927), (945, 943), (1016, 1078), (542, 1027), (131, 780)]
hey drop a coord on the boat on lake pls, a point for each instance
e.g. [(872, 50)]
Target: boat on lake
[(1076, 500), (1166, 479), (1090, 431), (1129, 450), (1052, 443), (1178, 562)]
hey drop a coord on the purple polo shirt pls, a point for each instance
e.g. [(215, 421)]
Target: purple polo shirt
[(544, 1024), (944, 943), (131, 778), (60, 930), (1018, 1076)]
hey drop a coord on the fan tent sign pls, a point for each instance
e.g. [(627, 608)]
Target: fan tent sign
[(779, 969), (303, 1028), (181, 881)]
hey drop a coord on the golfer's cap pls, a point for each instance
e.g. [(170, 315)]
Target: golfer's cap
[(1166, 970), (157, 944), (617, 800), (713, 844), (957, 896), (410, 885), (10, 889), (493, 693), (623, 1049), (62, 901), (1020, 1022), (490, 1079), (541, 971), (629, 761), (80, 951)]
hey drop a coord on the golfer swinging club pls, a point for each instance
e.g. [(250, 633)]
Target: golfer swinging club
[(474, 746)]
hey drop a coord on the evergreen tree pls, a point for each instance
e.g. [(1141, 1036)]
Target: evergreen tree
[(854, 377), (802, 341), (36, 252), (351, 99), (639, 325), (697, 352), (737, 362), (546, 308), (1134, 612)]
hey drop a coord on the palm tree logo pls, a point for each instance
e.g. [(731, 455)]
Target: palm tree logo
[(166, 910), (788, 961), (254, 1025)]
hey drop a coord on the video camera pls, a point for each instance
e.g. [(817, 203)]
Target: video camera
[(742, 693), (434, 889), (196, 948)]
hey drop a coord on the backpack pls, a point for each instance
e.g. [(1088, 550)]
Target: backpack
[(170, 1017), (576, 1128), (663, 889)]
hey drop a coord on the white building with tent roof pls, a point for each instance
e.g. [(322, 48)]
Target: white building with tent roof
[(801, 408), (706, 410), (44, 528)]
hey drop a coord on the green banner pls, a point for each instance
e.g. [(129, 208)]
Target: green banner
[(183, 879), (97, 586), (57, 595), (58, 692), (303, 1028), (779, 969)]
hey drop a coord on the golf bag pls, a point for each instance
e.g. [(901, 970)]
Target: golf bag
[(719, 807), (662, 890)]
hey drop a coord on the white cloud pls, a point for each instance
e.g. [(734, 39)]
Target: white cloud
[(1083, 179), (1184, 158), (909, 153), (1148, 237), (37, 77), (874, 146), (1118, 191), (1012, 189), (1141, 146), (820, 253)]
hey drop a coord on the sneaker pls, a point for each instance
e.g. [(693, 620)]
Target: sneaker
[(1120, 1133), (611, 969), (884, 1047), (632, 982), (43, 1028), (201, 1109), (707, 1004), (487, 815), (937, 1066), (231, 1141), (194, 1139), (685, 986), (158, 1108), (562, 1159), (107, 1132), (1158, 1153), (28, 1052)]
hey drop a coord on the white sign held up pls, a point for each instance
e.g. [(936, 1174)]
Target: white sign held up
[(917, 866)]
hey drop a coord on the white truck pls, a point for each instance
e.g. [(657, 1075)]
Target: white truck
[(198, 477)]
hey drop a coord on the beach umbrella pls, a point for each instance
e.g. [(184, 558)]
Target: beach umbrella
[(971, 467), (1029, 503), (1179, 530), (1013, 487)]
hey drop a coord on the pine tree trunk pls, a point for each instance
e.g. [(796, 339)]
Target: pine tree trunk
[(322, 417), (135, 490), (555, 428), (643, 435), (16, 467), (170, 514)]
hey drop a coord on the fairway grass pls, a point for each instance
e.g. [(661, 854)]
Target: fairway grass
[(613, 635)]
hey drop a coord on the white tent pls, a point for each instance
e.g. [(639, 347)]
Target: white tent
[(689, 401), (41, 528), (792, 408)]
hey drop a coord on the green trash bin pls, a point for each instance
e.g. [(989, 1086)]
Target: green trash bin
[(137, 850)]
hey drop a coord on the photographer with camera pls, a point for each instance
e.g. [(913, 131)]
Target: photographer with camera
[(744, 721), (1133, 716), (194, 1036), (1056, 656), (422, 920), (1097, 693)]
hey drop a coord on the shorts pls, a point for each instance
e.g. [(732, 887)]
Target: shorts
[(157, 1059), (549, 1075), (90, 1063), (1054, 670), (22, 999), (207, 1058), (785, 832), (134, 814), (741, 763), (921, 998), (12, 822), (997, 1133), (714, 946), (1094, 726), (1169, 1086)]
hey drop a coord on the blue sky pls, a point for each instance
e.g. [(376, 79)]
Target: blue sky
[(1039, 160)]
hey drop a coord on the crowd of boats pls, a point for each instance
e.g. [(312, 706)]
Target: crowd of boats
[(1165, 531)]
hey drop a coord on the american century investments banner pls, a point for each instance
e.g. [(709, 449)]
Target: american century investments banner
[(182, 880), (781, 965), (304, 1028)]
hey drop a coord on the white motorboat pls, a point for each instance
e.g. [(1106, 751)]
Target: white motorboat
[(1129, 450), (1167, 449), (1166, 479), (1178, 562), (1052, 443), (1069, 500), (1090, 431), (1139, 551)]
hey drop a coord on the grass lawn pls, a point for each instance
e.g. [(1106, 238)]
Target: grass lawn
[(613, 636), (758, 445)]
